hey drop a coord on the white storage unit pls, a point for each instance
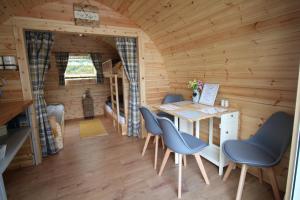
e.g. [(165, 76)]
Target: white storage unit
[(228, 130)]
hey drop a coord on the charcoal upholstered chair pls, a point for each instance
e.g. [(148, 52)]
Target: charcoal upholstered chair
[(264, 150), (153, 129), (183, 144), (170, 98)]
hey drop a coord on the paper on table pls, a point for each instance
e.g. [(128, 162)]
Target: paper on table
[(169, 107), (212, 110), (189, 114), (180, 103)]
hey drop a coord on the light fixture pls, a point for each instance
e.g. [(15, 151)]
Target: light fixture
[(8, 62)]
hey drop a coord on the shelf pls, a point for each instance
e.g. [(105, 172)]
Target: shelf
[(9, 110), (14, 141), (211, 153)]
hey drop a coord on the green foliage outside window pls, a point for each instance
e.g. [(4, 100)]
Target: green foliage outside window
[(80, 66)]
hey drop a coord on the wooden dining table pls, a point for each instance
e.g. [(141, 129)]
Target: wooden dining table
[(187, 117)]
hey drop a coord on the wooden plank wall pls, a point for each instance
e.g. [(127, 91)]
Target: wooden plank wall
[(71, 94), (63, 10), (253, 53), (12, 91), (74, 43), (157, 80)]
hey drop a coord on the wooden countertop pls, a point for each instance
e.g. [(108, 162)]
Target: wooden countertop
[(8, 110)]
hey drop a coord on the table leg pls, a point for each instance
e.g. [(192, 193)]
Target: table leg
[(211, 130), (2, 189), (197, 129), (177, 126)]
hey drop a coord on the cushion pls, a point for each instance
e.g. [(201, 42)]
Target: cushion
[(248, 153), (195, 144)]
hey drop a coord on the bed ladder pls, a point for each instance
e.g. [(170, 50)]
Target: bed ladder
[(115, 100)]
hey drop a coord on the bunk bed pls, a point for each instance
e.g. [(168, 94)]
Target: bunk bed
[(116, 105)]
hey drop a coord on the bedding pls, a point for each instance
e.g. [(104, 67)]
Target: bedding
[(56, 110), (55, 114), (109, 110)]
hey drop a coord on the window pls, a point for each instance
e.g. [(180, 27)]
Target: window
[(80, 67)]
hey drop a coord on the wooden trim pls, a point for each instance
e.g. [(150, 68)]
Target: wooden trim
[(293, 151), (27, 89), (140, 44), (70, 27), (23, 62)]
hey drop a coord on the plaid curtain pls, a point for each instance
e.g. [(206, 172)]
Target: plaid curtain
[(96, 58), (61, 59), (127, 48), (38, 49)]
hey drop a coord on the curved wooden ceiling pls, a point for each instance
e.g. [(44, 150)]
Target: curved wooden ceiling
[(187, 22)]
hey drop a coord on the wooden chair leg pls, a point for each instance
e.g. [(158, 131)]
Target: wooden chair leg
[(156, 149), (241, 182), (146, 143), (179, 175), (163, 164), (260, 175), (274, 183), (184, 161), (162, 142), (230, 167), (201, 167)]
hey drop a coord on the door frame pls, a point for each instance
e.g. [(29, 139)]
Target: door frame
[(20, 24), (294, 157)]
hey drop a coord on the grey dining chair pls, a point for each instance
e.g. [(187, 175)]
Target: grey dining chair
[(170, 98), (264, 150), (183, 144), (153, 129)]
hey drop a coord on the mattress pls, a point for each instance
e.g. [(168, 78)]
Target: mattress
[(108, 103), (109, 110), (56, 110)]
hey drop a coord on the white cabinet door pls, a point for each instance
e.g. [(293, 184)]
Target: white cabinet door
[(229, 131)]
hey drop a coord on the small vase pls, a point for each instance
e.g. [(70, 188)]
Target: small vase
[(196, 96)]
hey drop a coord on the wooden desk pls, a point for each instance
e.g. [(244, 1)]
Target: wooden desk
[(185, 122)]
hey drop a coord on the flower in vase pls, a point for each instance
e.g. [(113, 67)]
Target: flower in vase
[(196, 85), (200, 85)]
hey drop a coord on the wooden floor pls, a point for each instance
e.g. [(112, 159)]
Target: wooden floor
[(111, 167)]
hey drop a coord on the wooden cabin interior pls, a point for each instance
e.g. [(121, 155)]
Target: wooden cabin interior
[(74, 74)]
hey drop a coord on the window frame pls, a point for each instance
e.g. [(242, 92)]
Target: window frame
[(79, 76)]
